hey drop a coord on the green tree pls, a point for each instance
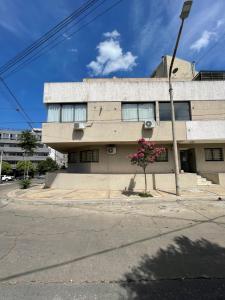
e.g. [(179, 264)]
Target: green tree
[(6, 168), (48, 165), (24, 166), (28, 143)]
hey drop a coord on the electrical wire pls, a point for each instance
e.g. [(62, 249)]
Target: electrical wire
[(41, 41), (36, 56), (19, 108), (47, 36), (210, 49)]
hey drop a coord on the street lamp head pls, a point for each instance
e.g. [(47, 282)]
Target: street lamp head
[(186, 9)]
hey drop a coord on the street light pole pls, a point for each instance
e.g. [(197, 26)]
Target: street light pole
[(1, 166), (184, 14)]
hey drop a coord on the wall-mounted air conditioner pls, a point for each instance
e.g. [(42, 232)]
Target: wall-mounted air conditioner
[(149, 124), (111, 150), (79, 126)]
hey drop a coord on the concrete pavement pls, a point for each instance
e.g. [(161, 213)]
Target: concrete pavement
[(112, 250)]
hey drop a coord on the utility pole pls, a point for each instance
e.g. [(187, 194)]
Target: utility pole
[(1, 166), (184, 15)]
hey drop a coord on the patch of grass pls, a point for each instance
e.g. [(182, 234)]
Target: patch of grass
[(145, 195)]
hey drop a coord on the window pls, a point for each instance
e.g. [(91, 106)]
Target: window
[(73, 157), (89, 156), (13, 136), (74, 112), (134, 112), (5, 136), (213, 154), (54, 113), (67, 113), (163, 157), (182, 111)]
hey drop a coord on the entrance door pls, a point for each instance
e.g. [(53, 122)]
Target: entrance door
[(188, 160)]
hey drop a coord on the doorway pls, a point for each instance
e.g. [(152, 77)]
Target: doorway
[(188, 160)]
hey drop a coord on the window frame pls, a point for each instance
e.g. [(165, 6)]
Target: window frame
[(76, 154), (89, 161), (166, 159), (137, 103), (69, 103), (189, 111), (211, 149)]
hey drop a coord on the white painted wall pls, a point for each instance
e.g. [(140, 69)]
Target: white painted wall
[(205, 130), (134, 89)]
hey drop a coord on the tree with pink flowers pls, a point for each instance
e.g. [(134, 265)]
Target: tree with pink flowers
[(147, 154)]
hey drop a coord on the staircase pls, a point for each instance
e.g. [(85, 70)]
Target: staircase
[(203, 181)]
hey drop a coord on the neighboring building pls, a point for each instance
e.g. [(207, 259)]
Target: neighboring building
[(185, 69), (60, 158), (12, 153), (98, 122)]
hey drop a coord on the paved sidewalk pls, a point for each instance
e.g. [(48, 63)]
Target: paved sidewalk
[(38, 193)]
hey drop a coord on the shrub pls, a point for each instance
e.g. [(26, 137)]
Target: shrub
[(24, 183)]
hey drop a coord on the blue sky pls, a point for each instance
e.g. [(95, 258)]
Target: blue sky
[(128, 41)]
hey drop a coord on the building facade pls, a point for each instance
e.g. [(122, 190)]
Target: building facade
[(12, 152), (98, 122)]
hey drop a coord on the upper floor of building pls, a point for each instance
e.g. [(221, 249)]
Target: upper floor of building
[(114, 110)]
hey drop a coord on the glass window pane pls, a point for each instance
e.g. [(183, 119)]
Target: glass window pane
[(129, 112), (89, 156), (73, 157), (95, 156), (182, 111), (83, 156), (146, 111), (218, 154), (80, 114), (208, 154), (163, 157), (164, 111), (54, 113), (67, 113)]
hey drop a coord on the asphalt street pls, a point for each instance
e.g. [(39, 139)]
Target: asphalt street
[(153, 250)]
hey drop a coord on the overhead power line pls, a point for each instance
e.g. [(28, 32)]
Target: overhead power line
[(38, 43), (44, 39), (49, 47), (210, 49), (19, 107)]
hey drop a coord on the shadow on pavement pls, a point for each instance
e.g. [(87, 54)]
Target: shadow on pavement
[(184, 270)]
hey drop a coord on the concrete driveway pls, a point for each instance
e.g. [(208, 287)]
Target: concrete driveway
[(154, 250)]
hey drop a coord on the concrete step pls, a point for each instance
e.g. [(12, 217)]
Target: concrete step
[(203, 181)]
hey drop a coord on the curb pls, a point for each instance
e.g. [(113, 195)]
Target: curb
[(72, 202)]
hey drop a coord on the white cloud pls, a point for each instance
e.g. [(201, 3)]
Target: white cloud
[(66, 36), (114, 34), (204, 40), (220, 23), (74, 50), (111, 57)]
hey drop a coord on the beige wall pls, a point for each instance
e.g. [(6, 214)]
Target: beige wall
[(206, 110), (104, 125), (118, 163), (209, 166), (107, 132), (185, 69), (127, 182)]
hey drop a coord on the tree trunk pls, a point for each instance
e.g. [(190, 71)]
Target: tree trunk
[(24, 170), (27, 169), (145, 181)]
